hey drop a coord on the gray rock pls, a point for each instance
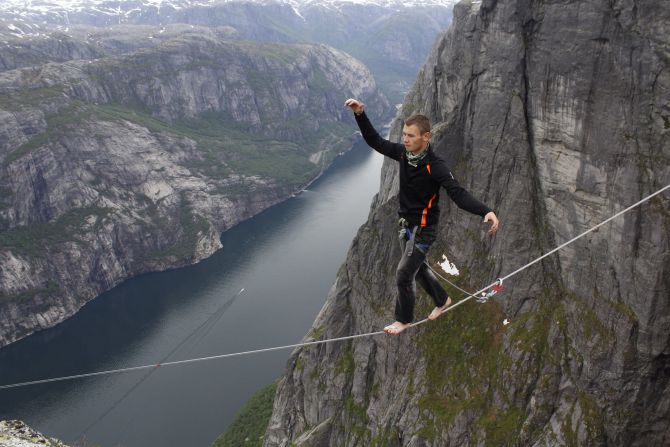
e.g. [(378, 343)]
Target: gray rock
[(124, 165), (18, 434), (555, 114)]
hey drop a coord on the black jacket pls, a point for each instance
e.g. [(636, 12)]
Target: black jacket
[(420, 185)]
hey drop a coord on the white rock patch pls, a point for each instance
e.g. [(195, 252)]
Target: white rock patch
[(449, 267)]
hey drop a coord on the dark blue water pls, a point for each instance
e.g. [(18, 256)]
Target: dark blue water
[(286, 259)]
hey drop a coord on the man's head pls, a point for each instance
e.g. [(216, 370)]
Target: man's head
[(416, 133)]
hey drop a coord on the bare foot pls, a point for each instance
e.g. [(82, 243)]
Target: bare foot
[(437, 312), (396, 328)]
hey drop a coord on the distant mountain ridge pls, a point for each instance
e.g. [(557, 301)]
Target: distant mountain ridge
[(64, 13)]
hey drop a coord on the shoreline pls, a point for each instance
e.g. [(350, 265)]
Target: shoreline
[(67, 307)]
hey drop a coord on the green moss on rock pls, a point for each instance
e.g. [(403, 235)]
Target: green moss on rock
[(248, 427)]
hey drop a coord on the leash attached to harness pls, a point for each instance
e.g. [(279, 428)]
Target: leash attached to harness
[(485, 296)]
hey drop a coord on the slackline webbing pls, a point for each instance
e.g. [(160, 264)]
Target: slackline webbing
[(331, 340)]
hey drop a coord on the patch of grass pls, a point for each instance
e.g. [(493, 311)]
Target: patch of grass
[(36, 240), (31, 97), (300, 364), (529, 332), (376, 391), (285, 54), (227, 146), (51, 288), (625, 310), (26, 148), (593, 419), (503, 427), (345, 364), (317, 332), (248, 427), (463, 366), (118, 112), (274, 160), (358, 417), (467, 369), (388, 436), (592, 326), (57, 124), (569, 434), (411, 387)]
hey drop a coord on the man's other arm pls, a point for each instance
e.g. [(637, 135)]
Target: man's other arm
[(462, 197)]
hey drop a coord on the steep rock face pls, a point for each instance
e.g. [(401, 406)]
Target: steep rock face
[(556, 115), (58, 47), (115, 167)]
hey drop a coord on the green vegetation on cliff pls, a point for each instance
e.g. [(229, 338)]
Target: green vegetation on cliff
[(248, 427), (35, 239)]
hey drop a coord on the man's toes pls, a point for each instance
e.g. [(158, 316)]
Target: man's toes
[(395, 328), (438, 311)]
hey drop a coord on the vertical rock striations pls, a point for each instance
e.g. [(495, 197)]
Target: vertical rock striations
[(556, 115)]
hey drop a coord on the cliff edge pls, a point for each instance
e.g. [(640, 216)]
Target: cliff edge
[(556, 115)]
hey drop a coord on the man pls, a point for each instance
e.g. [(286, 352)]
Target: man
[(422, 173)]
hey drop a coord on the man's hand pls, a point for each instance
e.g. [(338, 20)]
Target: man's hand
[(355, 105), (491, 216)]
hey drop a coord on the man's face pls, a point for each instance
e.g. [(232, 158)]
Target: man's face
[(413, 140)]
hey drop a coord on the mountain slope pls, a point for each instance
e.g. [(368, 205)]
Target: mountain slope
[(119, 166), (383, 35), (555, 114)]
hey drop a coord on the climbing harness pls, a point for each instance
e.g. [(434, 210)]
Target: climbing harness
[(497, 283), (410, 235)]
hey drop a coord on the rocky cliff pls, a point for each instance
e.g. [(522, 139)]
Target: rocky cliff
[(555, 114), (137, 163), (18, 434)]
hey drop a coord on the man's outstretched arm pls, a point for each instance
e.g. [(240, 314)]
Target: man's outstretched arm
[(370, 135), (463, 198)]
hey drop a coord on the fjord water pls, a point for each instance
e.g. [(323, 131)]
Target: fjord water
[(285, 259)]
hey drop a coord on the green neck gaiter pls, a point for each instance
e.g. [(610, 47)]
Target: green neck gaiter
[(413, 160)]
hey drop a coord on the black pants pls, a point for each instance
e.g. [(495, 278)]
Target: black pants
[(411, 269)]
